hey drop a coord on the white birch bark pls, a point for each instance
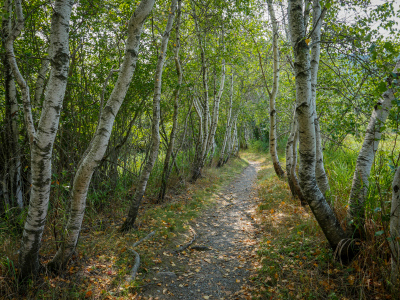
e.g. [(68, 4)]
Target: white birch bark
[(40, 81), (272, 95), (12, 181), (395, 229), (42, 140), (289, 154), (359, 188), (307, 149), (322, 179), (221, 159), (167, 169), (99, 143), (214, 121), (155, 131)]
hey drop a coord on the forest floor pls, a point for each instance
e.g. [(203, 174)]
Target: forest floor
[(249, 240)]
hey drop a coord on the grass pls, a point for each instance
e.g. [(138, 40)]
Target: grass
[(102, 262), (296, 261)]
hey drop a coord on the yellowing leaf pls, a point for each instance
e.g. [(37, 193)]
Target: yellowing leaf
[(308, 41)]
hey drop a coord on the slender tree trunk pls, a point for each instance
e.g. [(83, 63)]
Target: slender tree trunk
[(167, 169), (99, 142), (214, 122), (272, 95), (12, 156), (221, 159), (155, 131), (289, 154), (293, 172), (322, 179), (395, 229), (42, 140), (316, 200), (359, 188)]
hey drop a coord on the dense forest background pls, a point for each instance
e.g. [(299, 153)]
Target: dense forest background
[(112, 105)]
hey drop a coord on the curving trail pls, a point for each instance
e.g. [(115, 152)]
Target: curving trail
[(229, 231)]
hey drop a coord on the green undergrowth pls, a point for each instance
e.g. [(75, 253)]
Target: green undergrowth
[(296, 262), (103, 260)]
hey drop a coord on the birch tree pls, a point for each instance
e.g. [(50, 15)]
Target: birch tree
[(273, 93), (304, 108), (41, 139), (167, 168), (395, 229), (155, 131), (317, 17), (11, 177), (373, 134), (99, 142), (221, 160)]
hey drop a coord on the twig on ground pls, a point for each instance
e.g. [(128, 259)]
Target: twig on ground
[(181, 248)]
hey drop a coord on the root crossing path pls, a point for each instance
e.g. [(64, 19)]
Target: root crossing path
[(219, 264)]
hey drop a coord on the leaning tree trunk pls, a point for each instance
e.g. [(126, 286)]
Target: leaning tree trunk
[(99, 143), (322, 179), (272, 95), (395, 229), (155, 131), (228, 128), (359, 188), (307, 149), (42, 139), (12, 192), (167, 169)]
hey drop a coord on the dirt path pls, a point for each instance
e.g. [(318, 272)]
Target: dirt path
[(230, 234)]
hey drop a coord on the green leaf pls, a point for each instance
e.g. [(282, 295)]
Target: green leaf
[(378, 233)]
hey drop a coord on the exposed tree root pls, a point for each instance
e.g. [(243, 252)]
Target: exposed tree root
[(137, 256), (183, 247)]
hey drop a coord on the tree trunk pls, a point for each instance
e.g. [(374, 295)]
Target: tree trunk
[(214, 122), (272, 95), (12, 151), (99, 143), (395, 229), (289, 155), (322, 179), (307, 149), (359, 188), (221, 159), (42, 140), (167, 169), (155, 131)]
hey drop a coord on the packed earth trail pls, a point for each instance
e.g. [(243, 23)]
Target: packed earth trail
[(220, 261)]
